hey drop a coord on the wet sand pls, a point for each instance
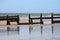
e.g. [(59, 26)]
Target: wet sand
[(31, 33)]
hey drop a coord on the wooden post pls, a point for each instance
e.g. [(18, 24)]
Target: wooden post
[(18, 19), (8, 21), (52, 18), (29, 19), (41, 22)]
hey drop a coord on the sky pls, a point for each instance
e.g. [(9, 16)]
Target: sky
[(29, 6)]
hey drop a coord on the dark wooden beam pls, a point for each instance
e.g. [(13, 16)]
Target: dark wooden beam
[(41, 22), (52, 18)]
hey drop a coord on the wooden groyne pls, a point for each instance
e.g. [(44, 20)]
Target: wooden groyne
[(16, 19)]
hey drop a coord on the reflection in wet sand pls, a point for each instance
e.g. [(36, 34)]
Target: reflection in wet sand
[(32, 33), (41, 30), (30, 29), (52, 30)]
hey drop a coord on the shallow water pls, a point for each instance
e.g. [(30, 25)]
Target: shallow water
[(31, 33)]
